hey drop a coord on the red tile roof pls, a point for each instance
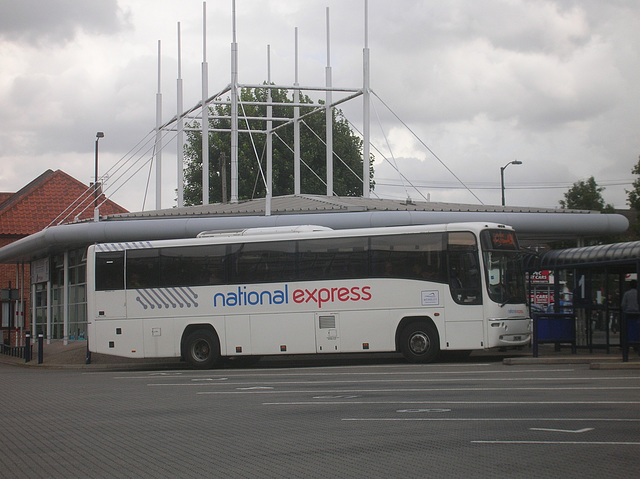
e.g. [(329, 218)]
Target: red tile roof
[(5, 196), (35, 206)]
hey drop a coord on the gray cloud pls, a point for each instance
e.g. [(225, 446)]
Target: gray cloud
[(551, 83), (42, 22)]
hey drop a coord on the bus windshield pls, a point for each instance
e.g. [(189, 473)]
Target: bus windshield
[(505, 279)]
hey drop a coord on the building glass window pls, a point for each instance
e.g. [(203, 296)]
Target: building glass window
[(77, 299), (77, 294), (40, 308)]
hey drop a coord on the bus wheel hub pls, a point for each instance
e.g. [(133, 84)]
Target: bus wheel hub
[(419, 343)]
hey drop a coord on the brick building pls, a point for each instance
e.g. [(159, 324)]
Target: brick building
[(43, 202)]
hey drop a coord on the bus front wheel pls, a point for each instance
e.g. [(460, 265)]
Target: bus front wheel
[(419, 342), (202, 349)]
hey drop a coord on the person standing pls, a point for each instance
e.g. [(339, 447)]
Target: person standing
[(630, 304), (630, 298)]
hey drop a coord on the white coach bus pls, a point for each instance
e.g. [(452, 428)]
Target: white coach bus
[(416, 290)]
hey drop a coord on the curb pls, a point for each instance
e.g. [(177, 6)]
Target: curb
[(594, 363), (147, 366), (597, 362), (620, 365)]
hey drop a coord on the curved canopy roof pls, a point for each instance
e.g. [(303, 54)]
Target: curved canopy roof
[(537, 224), (604, 254)]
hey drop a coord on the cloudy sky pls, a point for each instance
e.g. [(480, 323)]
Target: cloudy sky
[(553, 84)]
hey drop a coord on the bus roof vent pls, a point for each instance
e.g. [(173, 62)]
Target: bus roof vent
[(265, 231)]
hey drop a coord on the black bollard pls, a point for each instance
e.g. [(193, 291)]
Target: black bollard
[(88, 357), (27, 347), (40, 350)]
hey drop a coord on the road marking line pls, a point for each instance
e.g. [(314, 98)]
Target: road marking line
[(581, 443), (386, 381), (303, 403), (577, 431), (353, 391), (263, 373), (423, 410), (480, 419)]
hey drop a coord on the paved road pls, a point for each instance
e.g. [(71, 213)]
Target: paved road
[(372, 420)]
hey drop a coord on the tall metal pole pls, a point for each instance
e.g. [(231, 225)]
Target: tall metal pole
[(234, 111), (366, 106), (180, 127), (502, 181), (205, 110), (96, 210), (296, 124), (159, 134), (502, 168), (328, 117), (269, 185)]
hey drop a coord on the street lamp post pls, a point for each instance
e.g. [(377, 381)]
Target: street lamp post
[(502, 168), (96, 212)]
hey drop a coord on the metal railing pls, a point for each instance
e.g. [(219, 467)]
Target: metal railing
[(21, 352)]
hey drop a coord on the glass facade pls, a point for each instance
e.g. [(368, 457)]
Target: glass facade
[(40, 308), (76, 287), (77, 294)]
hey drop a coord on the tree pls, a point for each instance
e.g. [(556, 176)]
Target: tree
[(347, 149), (633, 196), (586, 195)]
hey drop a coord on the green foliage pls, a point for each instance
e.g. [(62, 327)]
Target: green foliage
[(586, 195), (633, 196), (346, 145)]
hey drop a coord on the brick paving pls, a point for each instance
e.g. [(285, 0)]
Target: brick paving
[(77, 421)]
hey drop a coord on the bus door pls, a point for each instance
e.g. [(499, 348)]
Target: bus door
[(110, 298), (327, 337), (464, 319)]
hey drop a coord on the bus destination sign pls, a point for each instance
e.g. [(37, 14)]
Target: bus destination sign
[(503, 240)]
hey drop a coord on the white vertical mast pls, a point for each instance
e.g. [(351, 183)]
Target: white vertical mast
[(205, 110), (366, 109), (328, 118), (296, 124), (158, 145), (269, 185), (234, 110), (180, 127)]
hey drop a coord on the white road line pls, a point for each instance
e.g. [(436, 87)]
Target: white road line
[(485, 419), (576, 431), (481, 403), (579, 443), (354, 391), (240, 375), (386, 381), (335, 370)]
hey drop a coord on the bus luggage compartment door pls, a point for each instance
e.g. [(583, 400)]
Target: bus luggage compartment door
[(327, 337), (109, 305)]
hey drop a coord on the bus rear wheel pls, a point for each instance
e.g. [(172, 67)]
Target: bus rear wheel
[(419, 342), (202, 349)]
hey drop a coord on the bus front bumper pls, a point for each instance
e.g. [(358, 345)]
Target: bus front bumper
[(509, 332)]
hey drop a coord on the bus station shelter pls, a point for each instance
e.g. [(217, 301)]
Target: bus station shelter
[(589, 283)]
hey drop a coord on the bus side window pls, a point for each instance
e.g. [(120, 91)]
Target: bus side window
[(109, 271), (143, 268)]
